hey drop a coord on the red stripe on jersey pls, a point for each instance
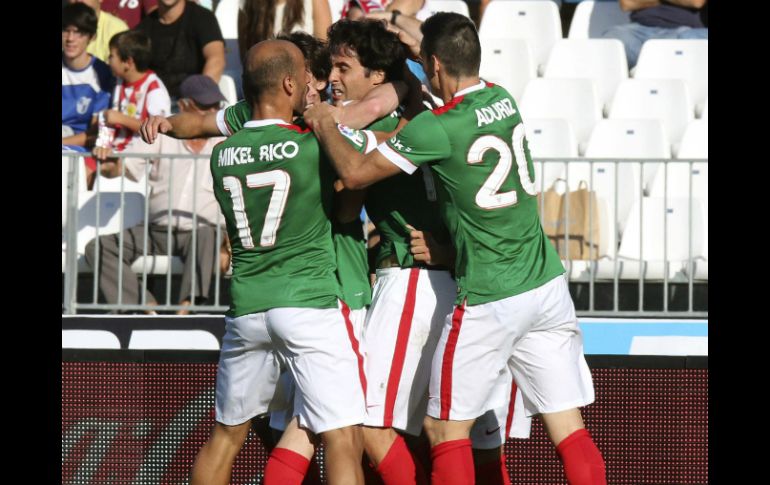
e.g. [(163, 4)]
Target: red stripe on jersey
[(354, 344), (454, 102), (490, 85), (511, 405), (397, 365), (295, 128), (446, 365), (153, 85)]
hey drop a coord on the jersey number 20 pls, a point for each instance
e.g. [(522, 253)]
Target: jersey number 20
[(281, 183), (488, 196)]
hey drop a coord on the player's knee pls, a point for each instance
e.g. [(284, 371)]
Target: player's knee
[(378, 435), (439, 431), (348, 437), (230, 436)]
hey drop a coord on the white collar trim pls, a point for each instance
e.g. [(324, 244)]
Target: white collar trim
[(259, 123)]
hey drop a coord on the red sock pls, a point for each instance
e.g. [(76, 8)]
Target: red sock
[(452, 463), (399, 466), (313, 475), (285, 467), (583, 463), (492, 473)]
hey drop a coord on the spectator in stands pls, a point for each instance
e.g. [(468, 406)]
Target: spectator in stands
[(108, 26), (186, 40), (138, 95), (132, 11), (655, 19), (190, 193), (259, 20), (86, 81)]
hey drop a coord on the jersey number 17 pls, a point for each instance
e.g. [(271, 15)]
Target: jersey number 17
[(281, 183)]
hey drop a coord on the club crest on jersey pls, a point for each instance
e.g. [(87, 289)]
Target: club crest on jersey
[(278, 151), (82, 105), (495, 112), (353, 135)]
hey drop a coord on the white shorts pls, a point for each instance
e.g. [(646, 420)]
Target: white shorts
[(319, 349), (495, 426), (534, 335), (284, 394), (402, 329)]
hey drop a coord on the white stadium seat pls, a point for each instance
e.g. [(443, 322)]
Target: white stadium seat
[(507, 62), (549, 138), (666, 100), (575, 100), (227, 86), (227, 17), (685, 59), (601, 60), (619, 139), (665, 240), (536, 21)]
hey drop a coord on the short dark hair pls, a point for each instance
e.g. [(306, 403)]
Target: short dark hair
[(315, 51), (133, 44), (81, 16), (267, 75), (376, 47), (453, 39)]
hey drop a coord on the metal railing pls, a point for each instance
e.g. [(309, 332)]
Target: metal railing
[(600, 275), (75, 264), (589, 270)]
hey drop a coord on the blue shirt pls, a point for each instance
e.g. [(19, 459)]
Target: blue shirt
[(84, 93)]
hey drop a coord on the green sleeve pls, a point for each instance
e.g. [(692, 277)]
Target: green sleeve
[(422, 140), (233, 117)]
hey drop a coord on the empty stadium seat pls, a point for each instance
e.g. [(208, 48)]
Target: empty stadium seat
[(89, 339), (665, 240), (549, 138), (666, 100), (685, 59), (227, 17), (507, 62), (601, 60), (592, 19), (695, 141), (227, 86), (173, 340), (433, 6), (619, 139), (536, 21), (681, 175), (109, 218), (575, 100)]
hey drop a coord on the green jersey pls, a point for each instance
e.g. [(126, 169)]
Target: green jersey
[(487, 195), (400, 200), (275, 189), (349, 245), (352, 263), (231, 119)]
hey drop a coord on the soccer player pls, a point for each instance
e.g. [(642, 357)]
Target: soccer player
[(410, 298), (275, 190), (513, 309)]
